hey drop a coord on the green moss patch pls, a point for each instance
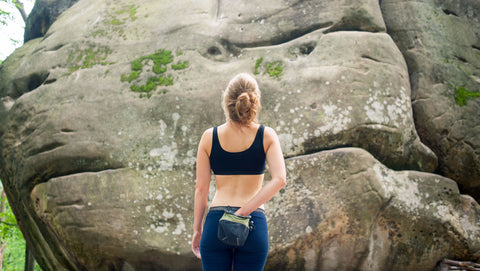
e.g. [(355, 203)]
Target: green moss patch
[(87, 58), (462, 95), (121, 16), (132, 13), (257, 65), (154, 67), (274, 69), (180, 65), (114, 20)]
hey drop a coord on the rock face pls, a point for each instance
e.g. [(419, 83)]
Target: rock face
[(345, 211), (43, 14), (100, 120), (441, 44)]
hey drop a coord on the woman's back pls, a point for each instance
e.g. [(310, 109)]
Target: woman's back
[(237, 153), (237, 138), (234, 189)]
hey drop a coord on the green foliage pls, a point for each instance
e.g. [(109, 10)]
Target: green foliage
[(462, 95), (180, 65), (9, 23), (10, 234), (5, 16), (273, 69), (8, 225), (161, 57), (17, 5), (94, 57), (114, 21), (113, 24), (152, 84), (133, 12), (84, 59), (161, 60), (165, 81), (257, 65), (137, 65), (132, 76), (159, 69), (99, 33), (14, 257)]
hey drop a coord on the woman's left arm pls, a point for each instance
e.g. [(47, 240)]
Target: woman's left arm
[(201, 190)]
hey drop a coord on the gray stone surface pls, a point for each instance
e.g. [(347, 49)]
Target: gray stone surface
[(102, 177), (441, 44), (343, 210)]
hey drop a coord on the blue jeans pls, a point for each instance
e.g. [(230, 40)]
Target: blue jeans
[(217, 256)]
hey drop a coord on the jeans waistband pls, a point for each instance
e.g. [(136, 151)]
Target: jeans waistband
[(232, 209)]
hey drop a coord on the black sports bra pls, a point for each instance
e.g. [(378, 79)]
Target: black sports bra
[(248, 162)]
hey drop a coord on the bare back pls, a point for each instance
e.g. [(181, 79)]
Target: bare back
[(236, 190), (237, 152)]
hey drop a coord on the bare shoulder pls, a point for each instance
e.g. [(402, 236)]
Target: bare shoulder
[(208, 132), (206, 140), (269, 137), (269, 133)]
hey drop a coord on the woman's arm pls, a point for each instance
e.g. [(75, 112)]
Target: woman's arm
[(276, 164), (201, 189)]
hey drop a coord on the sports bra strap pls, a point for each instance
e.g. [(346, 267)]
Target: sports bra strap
[(248, 162)]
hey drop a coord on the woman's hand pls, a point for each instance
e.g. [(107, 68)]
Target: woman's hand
[(240, 212), (196, 244)]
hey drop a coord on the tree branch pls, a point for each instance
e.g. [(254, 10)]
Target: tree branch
[(2, 253), (21, 8), (8, 224)]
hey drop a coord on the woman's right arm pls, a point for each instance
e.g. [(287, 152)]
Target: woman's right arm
[(201, 188), (276, 164)]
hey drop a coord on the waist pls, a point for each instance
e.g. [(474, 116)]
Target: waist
[(232, 209)]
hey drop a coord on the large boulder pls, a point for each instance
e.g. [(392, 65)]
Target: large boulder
[(100, 120), (343, 210), (441, 44)]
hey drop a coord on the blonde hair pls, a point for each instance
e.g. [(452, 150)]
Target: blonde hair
[(241, 99)]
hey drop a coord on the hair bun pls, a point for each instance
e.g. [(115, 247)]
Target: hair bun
[(243, 107), (242, 99)]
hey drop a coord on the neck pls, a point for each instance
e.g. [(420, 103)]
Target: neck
[(235, 124)]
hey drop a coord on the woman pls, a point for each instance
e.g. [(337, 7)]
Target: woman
[(236, 152)]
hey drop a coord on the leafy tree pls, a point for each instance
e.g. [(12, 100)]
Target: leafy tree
[(4, 15), (12, 243), (7, 17)]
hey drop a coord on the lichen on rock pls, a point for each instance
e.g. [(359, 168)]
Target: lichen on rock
[(103, 180), (156, 67)]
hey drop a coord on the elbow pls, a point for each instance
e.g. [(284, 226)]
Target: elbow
[(201, 195), (282, 181), (201, 190)]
